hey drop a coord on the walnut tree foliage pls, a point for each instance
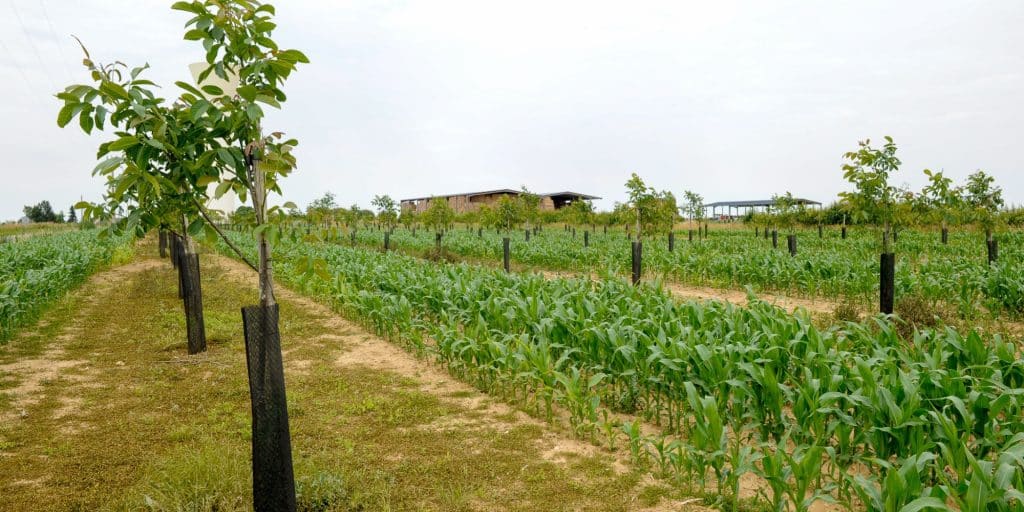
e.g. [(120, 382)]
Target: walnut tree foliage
[(164, 154), (387, 210), (868, 169), (984, 200), (322, 209), (693, 205), (651, 211), (438, 215), (941, 199), (785, 210)]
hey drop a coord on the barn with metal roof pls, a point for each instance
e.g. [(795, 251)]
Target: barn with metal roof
[(471, 201)]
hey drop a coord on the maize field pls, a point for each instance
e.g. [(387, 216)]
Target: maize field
[(37, 271), (956, 275), (743, 405)]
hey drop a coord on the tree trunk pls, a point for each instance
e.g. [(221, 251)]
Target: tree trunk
[(637, 259), (273, 480), (163, 244), (506, 256), (193, 301), (191, 292), (993, 247), (887, 283)]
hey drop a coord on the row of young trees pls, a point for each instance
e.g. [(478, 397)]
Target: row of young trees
[(874, 201), (648, 211)]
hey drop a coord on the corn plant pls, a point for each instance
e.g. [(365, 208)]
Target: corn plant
[(36, 271)]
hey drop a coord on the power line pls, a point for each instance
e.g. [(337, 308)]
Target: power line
[(35, 49), (60, 48), (24, 77)]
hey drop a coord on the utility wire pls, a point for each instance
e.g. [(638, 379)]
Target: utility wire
[(32, 43), (24, 78), (60, 48)]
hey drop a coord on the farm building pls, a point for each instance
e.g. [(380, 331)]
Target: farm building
[(472, 201), (732, 209)]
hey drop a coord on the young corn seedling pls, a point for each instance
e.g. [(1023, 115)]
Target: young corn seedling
[(742, 460), (708, 435), (635, 438), (805, 468), (776, 472), (661, 452), (610, 429), (903, 487)]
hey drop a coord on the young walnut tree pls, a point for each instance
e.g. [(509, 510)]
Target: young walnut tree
[(868, 169), (165, 157)]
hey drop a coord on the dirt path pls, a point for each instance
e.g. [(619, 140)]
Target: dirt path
[(102, 409), (28, 369), (738, 297)]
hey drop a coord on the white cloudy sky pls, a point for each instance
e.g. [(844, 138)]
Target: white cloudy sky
[(736, 100)]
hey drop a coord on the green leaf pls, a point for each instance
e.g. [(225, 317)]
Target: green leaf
[(248, 92), (187, 7), (222, 189), (86, 122), (189, 88), (107, 165), (924, 503), (293, 56), (67, 113), (225, 156), (260, 229), (123, 143), (155, 144), (264, 26), (196, 227), (263, 98), (210, 234), (198, 109), (203, 181), (101, 116), (135, 72), (195, 34), (111, 89), (213, 90), (254, 112)]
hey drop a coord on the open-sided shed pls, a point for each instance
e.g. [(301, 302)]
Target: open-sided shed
[(733, 209)]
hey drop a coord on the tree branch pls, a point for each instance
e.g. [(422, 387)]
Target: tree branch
[(202, 211)]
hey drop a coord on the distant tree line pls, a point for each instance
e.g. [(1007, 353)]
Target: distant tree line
[(43, 212)]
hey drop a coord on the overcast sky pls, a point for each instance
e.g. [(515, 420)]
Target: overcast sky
[(734, 100)]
